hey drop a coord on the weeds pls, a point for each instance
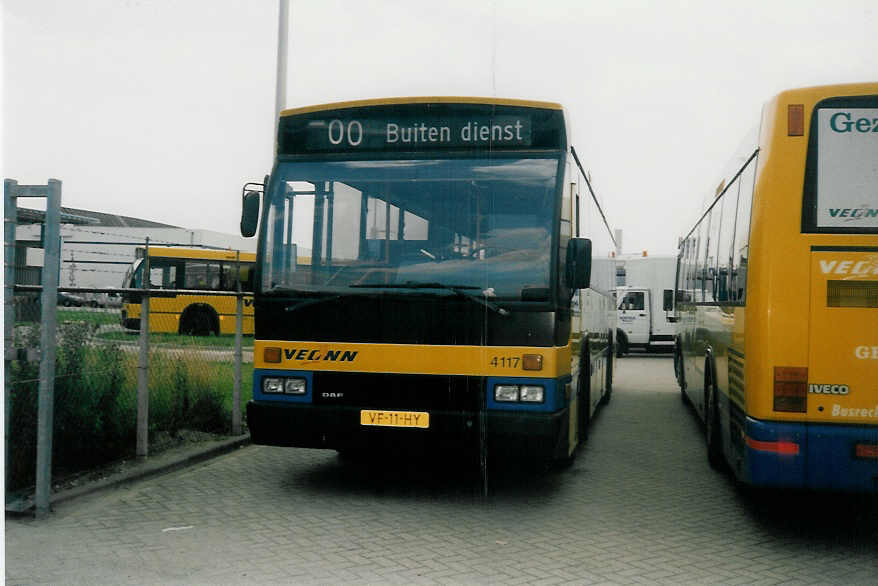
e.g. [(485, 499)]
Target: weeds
[(95, 406)]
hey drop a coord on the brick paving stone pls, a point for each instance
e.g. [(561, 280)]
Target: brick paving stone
[(640, 505)]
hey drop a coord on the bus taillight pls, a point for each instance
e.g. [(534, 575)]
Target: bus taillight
[(791, 389), (866, 451), (780, 447)]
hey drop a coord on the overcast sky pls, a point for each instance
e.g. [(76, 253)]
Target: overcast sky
[(162, 109)]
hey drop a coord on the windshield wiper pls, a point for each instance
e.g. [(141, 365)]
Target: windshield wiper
[(459, 290)]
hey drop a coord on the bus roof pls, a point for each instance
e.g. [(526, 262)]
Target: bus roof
[(421, 100), (818, 92), (200, 253)]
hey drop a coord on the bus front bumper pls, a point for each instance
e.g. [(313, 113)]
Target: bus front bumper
[(538, 436)]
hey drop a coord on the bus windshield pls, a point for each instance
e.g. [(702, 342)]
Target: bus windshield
[(478, 224)]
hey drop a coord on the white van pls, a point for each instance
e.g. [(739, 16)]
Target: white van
[(645, 303)]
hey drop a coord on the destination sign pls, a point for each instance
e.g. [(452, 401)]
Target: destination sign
[(415, 127)]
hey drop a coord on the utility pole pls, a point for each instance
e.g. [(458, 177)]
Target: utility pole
[(280, 94)]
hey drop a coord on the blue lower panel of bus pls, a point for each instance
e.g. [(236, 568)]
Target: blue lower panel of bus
[(833, 462), (540, 436), (813, 456), (328, 414)]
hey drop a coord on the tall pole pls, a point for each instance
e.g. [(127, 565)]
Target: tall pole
[(142, 445), (239, 355), (46, 396), (280, 95), (10, 214)]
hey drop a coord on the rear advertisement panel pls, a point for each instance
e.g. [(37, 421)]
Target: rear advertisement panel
[(847, 168), (843, 351)]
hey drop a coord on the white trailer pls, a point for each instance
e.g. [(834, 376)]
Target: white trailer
[(644, 302)]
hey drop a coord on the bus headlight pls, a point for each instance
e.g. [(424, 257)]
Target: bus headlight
[(294, 386), (506, 393), (519, 393), (272, 384), (532, 393), (284, 385)]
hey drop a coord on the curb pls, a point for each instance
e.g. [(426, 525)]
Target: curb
[(141, 470)]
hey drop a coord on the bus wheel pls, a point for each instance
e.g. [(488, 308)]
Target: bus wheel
[(621, 346), (681, 379), (585, 400), (197, 321), (712, 426), (608, 391)]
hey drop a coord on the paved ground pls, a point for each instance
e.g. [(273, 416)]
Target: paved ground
[(639, 506)]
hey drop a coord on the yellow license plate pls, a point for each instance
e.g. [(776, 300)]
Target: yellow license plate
[(395, 418)]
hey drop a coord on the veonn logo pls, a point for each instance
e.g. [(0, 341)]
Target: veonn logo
[(854, 214), (849, 267)]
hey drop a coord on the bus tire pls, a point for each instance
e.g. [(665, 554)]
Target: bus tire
[(584, 397), (199, 320), (609, 388), (681, 377), (621, 345), (608, 379), (712, 427)]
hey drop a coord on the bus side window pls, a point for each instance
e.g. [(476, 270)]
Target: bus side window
[(725, 241), (716, 226), (162, 273), (229, 281), (740, 246), (227, 277), (247, 277), (202, 275)]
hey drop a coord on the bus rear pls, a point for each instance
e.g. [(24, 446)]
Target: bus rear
[(778, 304), (824, 378)]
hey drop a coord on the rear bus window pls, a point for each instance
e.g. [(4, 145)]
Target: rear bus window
[(841, 174)]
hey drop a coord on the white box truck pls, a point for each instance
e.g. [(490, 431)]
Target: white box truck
[(644, 303)]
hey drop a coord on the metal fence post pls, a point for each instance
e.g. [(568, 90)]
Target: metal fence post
[(10, 213), (46, 399), (143, 363), (239, 355)]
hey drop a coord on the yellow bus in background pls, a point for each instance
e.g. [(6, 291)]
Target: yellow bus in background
[(777, 298), (190, 269)]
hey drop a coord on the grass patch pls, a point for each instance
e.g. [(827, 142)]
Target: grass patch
[(96, 317), (223, 341), (96, 400)]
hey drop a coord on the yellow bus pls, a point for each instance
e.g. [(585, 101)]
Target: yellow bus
[(184, 272), (777, 298), (431, 272)]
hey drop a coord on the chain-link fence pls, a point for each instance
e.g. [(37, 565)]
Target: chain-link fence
[(191, 381), (131, 369), (190, 378)]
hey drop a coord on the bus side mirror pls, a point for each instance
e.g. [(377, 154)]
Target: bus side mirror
[(578, 263), (249, 213)]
